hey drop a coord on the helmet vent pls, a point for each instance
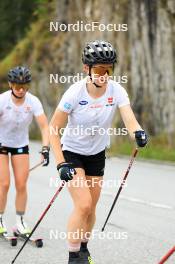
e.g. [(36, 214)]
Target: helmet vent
[(99, 51)]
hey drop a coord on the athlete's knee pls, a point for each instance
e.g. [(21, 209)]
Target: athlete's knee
[(4, 186), (86, 207), (21, 187), (93, 212)]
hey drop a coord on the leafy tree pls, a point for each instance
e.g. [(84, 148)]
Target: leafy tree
[(15, 18)]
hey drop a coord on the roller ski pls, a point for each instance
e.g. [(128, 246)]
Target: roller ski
[(22, 232), (5, 236), (23, 236)]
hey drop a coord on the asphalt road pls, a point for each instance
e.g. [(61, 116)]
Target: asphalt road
[(140, 231)]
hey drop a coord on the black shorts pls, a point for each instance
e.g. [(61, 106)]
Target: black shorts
[(93, 164), (14, 151)]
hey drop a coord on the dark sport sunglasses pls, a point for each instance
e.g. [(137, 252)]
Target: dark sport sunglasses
[(18, 87), (102, 70)]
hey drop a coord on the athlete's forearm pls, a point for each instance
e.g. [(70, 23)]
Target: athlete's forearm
[(45, 136), (55, 143), (58, 121), (130, 120), (132, 125), (44, 128), (133, 129)]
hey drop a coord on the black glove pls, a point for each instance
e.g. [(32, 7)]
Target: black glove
[(141, 138), (66, 171), (45, 152)]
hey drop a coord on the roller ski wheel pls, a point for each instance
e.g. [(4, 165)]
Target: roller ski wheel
[(39, 243), (14, 241), (11, 239), (36, 242)]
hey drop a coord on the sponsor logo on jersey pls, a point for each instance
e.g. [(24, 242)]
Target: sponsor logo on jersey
[(67, 106), (96, 106), (83, 102), (110, 101), (27, 109), (8, 107)]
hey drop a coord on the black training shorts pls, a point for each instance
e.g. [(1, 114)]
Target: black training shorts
[(93, 164), (14, 151)]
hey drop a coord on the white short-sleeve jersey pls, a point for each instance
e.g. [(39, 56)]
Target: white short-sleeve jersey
[(15, 120), (89, 119)]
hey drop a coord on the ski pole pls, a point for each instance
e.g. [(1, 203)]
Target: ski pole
[(40, 219), (121, 186), (36, 166), (166, 257)]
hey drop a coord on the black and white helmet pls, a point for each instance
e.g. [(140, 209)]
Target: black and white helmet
[(20, 75), (99, 51)]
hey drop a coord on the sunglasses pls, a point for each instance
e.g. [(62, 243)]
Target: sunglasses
[(18, 87), (100, 70)]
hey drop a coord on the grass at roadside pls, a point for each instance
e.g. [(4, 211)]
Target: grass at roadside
[(155, 150)]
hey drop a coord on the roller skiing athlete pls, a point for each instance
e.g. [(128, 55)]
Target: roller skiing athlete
[(88, 104), (17, 108)]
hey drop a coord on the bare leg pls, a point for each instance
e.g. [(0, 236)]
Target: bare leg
[(95, 190), (82, 207), (20, 164), (4, 181)]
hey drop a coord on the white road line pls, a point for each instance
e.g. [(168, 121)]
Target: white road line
[(140, 201)]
